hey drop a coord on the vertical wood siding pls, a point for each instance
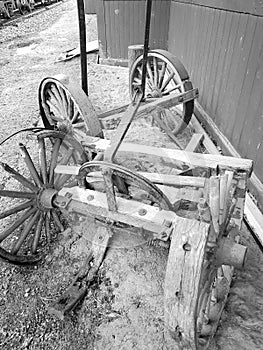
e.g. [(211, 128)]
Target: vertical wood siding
[(124, 22), (223, 52)]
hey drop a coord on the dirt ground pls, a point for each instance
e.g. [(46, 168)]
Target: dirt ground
[(124, 308)]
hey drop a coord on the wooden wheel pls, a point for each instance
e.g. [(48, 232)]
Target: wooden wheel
[(27, 193), (199, 272), (124, 181), (165, 74), (65, 106)]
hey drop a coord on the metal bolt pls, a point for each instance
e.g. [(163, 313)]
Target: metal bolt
[(142, 212), (167, 223), (90, 197), (187, 247), (163, 234)]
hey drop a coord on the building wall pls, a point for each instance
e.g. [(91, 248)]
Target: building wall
[(220, 43), (121, 23)]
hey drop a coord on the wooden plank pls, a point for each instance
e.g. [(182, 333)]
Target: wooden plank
[(128, 210), (174, 180), (195, 159), (176, 195), (194, 143), (254, 218), (181, 286), (207, 142)]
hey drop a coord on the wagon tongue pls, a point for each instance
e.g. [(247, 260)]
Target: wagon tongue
[(75, 293)]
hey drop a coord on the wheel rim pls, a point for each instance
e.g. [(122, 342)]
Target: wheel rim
[(28, 213), (65, 106), (129, 178), (165, 74)]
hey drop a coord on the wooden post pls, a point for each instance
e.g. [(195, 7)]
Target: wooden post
[(134, 51)]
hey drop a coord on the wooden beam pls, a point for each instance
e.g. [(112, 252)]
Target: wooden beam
[(254, 218), (195, 159), (194, 143)]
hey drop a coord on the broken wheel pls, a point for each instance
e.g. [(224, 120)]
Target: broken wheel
[(65, 106), (29, 186), (165, 74)]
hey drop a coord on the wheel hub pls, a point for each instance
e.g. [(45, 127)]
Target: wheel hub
[(46, 198)]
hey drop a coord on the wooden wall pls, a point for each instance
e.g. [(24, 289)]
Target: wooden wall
[(121, 23), (220, 43)]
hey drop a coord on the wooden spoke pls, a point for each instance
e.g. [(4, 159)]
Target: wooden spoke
[(17, 194), (75, 116), (57, 115), (156, 72), (55, 102), (30, 165), (4, 234), (60, 181), (170, 77), (176, 87), (57, 221), (80, 133), (53, 161), (79, 125), (150, 73), (43, 160), (47, 227), (63, 98), (20, 178), (37, 234), (16, 209), (25, 232), (54, 89), (162, 73)]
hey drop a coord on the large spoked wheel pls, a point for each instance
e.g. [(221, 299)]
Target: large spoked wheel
[(165, 74), (29, 185), (64, 105), (125, 182)]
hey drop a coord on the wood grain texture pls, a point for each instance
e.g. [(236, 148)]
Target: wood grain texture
[(183, 273)]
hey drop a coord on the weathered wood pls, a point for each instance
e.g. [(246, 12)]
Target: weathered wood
[(194, 143), (162, 179), (207, 142), (183, 273), (176, 195), (134, 51), (174, 180), (195, 159), (253, 216), (146, 108), (254, 219), (214, 204), (94, 203)]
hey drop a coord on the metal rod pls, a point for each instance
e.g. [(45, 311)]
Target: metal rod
[(146, 43), (82, 39)]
